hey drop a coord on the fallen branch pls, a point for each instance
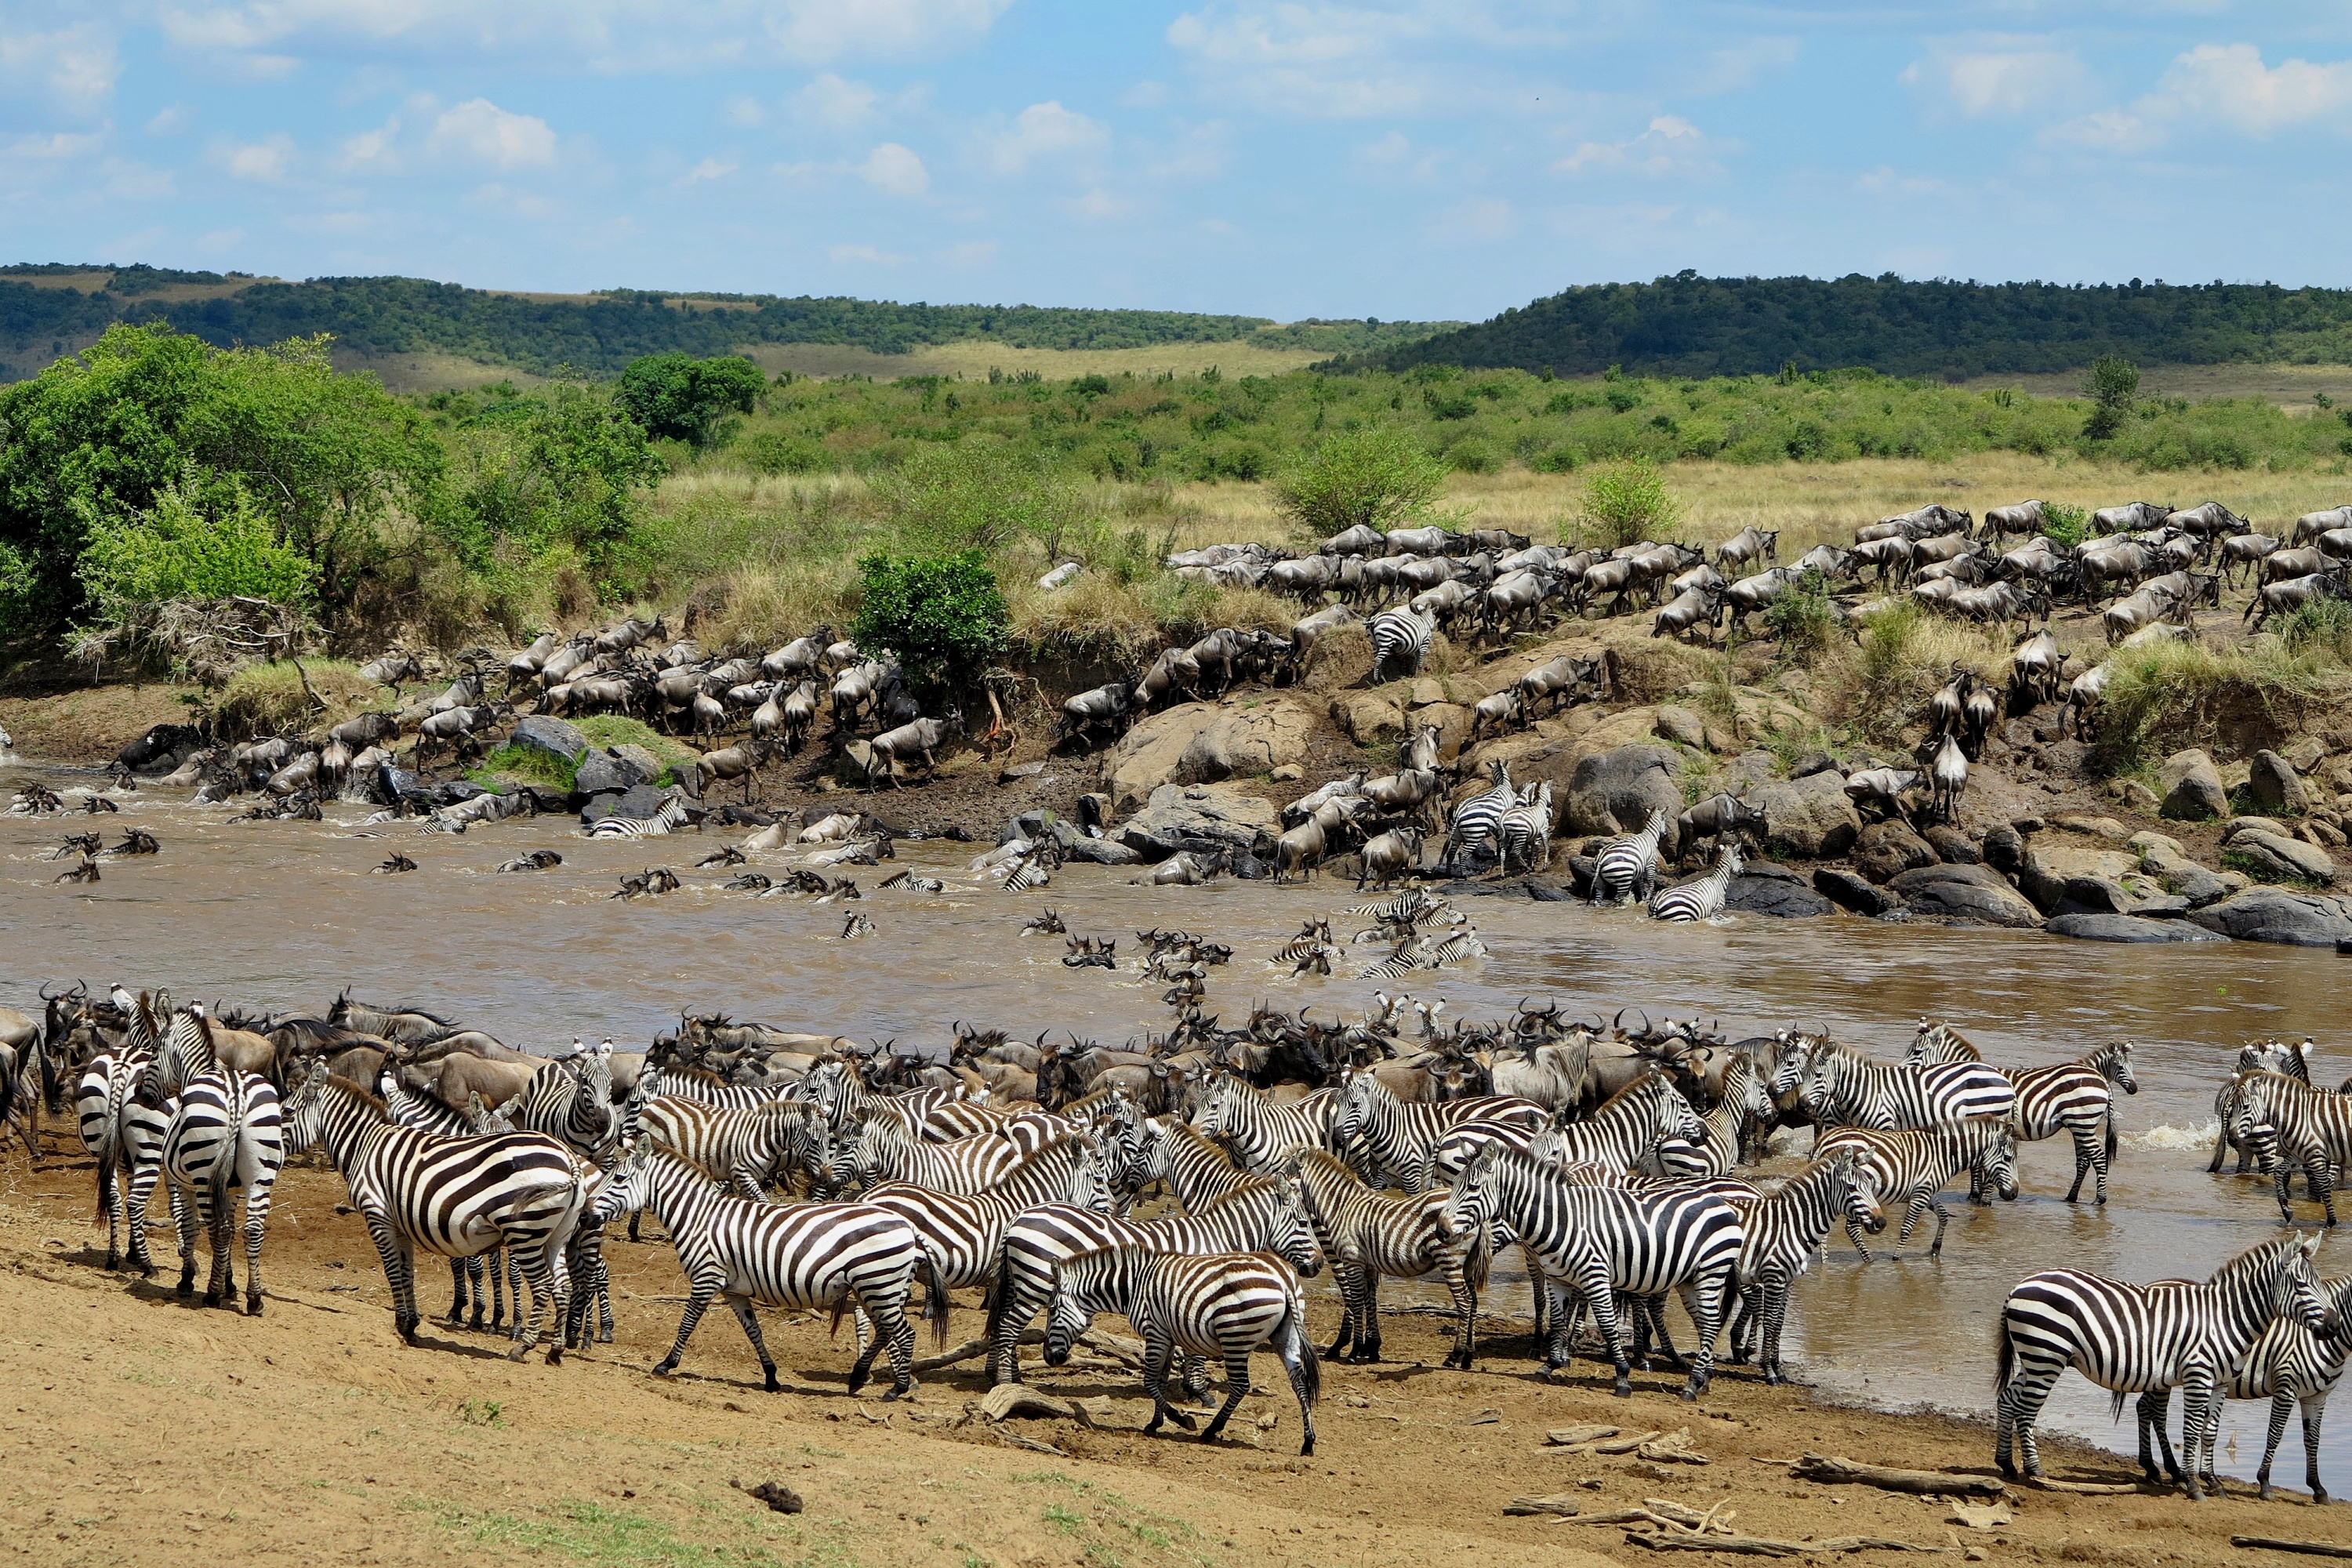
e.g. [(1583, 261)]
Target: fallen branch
[(2307, 1547), (2090, 1489), (1835, 1471), (1007, 1400), (1760, 1546), (1568, 1437), (968, 1350), (1560, 1503)]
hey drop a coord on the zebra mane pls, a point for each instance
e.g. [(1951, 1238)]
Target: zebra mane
[(2258, 1259), (1632, 1092)]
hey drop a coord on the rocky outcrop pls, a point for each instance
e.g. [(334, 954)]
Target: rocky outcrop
[(2287, 859), (2127, 928), (1198, 743), (1951, 844), (1848, 891), (1201, 816), (2272, 785), (637, 803), (550, 737), (1616, 790), (615, 768), (1887, 849), (1765, 889), (1965, 892), (1808, 817), (2192, 787), (2276, 915), (2052, 863)]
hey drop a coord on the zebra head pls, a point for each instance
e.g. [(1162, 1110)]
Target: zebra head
[(624, 1190), (1215, 1119), (1083, 1286), (1861, 1189), (1292, 1233), (2114, 1062), (1469, 1207), (304, 1107), (1999, 1163), (1792, 1054), (1927, 1044), (2296, 1293)]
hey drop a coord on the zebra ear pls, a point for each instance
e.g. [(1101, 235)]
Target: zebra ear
[(2308, 1242)]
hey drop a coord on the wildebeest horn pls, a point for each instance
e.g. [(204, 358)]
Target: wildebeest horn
[(1618, 1023), (44, 993)]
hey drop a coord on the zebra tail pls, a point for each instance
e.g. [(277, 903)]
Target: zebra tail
[(2005, 1364), (2115, 1406), (223, 1169), (999, 1295), (106, 1159), (935, 1309), (1479, 1257), (1290, 1335), (2111, 1137)]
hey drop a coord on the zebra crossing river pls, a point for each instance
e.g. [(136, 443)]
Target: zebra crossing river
[(283, 915)]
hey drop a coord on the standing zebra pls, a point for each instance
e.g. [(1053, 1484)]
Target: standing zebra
[(743, 1146), (406, 1109), (1366, 1235), (1526, 832), (1392, 1139), (1700, 900), (1480, 817), (124, 1124), (1740, 1108), (884, 1149), (1399, 634), (1784, 1231), (2074, 1096), (2148, 1339), (1224, 1305), (1262, 1133), (571, 1099), (1634, 1125), (1626, 869), (2314, 1129), (455, 1196), (2290, 1365), (1914, 1165), (1595, 1242), (1846, 1089), (225, 1133)]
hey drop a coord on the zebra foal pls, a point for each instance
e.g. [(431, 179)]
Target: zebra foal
[(1912, 1165)]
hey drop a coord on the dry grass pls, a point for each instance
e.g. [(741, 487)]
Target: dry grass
[(973, 361), (270, 698)]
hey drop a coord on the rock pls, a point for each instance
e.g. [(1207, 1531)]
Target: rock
[(551, 736), (2271, 784), (2093, 896), (601, 773), (1616, 790), (2136, 796), (2004, 850), (2327, 835), (2276, 915), (2105, 828), (1749, 768), (637, 803), (1681, 726), (2305, 753), (1965, 892), (1289, 772), (2151, 846), (1366, 717), (2051, 865), (2237, 825), (2162, 907), (1764, 888), (1809, 818), (1953, 845), (1197, 743), (1425, 691), (1580, 875), (1813, 762), (1201, 816), (2192, 787), (2127, 928), (1102, 852), (1887, 849), (1340, 657), (1849, 891), (2280, 857)]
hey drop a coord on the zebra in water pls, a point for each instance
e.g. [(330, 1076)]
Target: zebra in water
[(1365, 1235), (1784, 1231), (225, 1133), (2312, 1129), (2076, 1097), (1702, 899), (785, 1255), (1742, 1106), (1399, 634), (1914, 1165), (1634, 1125), (454, 1197), (571, 1099), (1626, 869), (1407, 908), (1480, 817), (1594, 1243), (2148, 1339), (668, 820), (2260, 1150), (1311, 949), (1263, 1217), (1843, 1088), (1525, 832), (1390, 1140), (743, 1146), (1225, 1305), (1262, 1133), (884, 1149)]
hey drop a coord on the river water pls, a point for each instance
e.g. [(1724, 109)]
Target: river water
[(282, 915)]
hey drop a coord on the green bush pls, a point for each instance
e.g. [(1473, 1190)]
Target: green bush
[(678, 397), (180, 548), (1626, 503), (944, 616), (1802, 618), (774, 452), (975, 495), (1378, 477), (2065, 525)]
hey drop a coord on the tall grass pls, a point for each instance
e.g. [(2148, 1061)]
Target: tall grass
[(1900, 658), (2171, 695), (270, 698)]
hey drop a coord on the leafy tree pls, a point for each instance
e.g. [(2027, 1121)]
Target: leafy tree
[(1377, 476), (975, 495), (2112, 382), (943, 615), (195, 543), (678, 397), (559, 467), (1627, 502)]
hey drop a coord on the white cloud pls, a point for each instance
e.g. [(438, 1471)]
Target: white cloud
[(709, 168), (73, 70), (1325, 61), (830, 100), (375, 149), (495, 196), (2224, 85), (1043, 130), (1997, 82), (169, 120), (1671, 146), (264, 161), (481, 131), (1098, 206), (865, 253), (744, 112), (1729, 69), (896, 169)]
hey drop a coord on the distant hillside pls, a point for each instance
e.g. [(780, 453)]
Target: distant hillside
[(50, 309), (1692, 326)]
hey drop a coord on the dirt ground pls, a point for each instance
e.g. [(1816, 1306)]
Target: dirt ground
[(145, 1428)]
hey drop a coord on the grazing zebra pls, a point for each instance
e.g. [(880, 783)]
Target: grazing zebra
[(1912, 1165), (1366, 1235), (1526, 831), (2314, 1129), (1784, 1231), (2148, 1339), (1224, 1305), (668, 820), (884, 1149), (1843, 1088), (1389, 1140), (1701, 898), (1399, 633), (429, 1115), (225, 1133), (786, 1255), (1595, 1242), (2290, 1365), (454, 1197), (124, 1124), (1480, 817), (1262, 1134), (744, 1146), (1265, 1216), (2074, 1096), (571, 1099), (1626, 870)]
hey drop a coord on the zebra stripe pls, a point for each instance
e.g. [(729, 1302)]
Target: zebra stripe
[(1196, 1168), (2148, 1338), (2072, 1095), (123, 1129), (1227, 1305), (1914, 1165), (1261, 1133), (1634, 1125), (1626, 870), (571, 1099), (2314, 1129), (1526, 831), (884, 1149), (1784, 1231), (668, 820), (1366, 1235), (2289, 1365), (1480, 817), (1387, 1139), (742, 1146), (1399, 633), (1700, 900), (225, 1133), (1846, 1088)]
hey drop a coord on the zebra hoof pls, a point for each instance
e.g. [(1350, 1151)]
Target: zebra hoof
[(253, 1304), (664, 1368), (897, 1393), (773, 1385)]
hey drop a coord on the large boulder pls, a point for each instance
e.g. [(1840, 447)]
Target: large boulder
[(2276, 915), (1809, 818), (1616, 790), (638, 803), (1340, 657), (2192, 787), (552, 737), (601, 773), (1765, 889), (2053, 861), (1965, 892), (1952, 844), (1365, 717), (1887, 849), (1849, 891), (1200, 816), (1200, 743), (2289, 859), (2127, 928), (2272, 785)]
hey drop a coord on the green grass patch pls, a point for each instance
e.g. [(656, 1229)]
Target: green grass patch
[(525, 765), (615, 729), (2177, 694), (581, 1530)]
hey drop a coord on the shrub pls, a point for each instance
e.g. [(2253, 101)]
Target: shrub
[(181, 549), (2112, 383), (678, 397), (944, 616), (1627, 502), (274, 700), (975, 495), (1376, 476), (1803, 617), (2065, 525), (774, 452), (2322, 629)]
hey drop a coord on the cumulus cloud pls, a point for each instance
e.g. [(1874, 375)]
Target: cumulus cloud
[(709, 168), (1671, 146), (266, 162), (895, 171), (480, 132), (2224, 85), (1481, 221), (1985, 83), (830, 100), (1325, 61), (71, 70), (1042, 132)]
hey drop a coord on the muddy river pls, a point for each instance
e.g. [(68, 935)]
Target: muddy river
[(281, 915)]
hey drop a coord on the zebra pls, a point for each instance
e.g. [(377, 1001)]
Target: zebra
[(1630, 1127), (1195, 1167), (2260, 1150), (1846, 1089), (124, 1124), (571, 1099), (1480, 817), (1399, 633), (1391, 1139), (2074, 1096), (838, 1086), (1526, 831), (1225, 1305), (1784, 1231), (668, 820), (884, 1149), (1742, 1105), (742, 1146), (1914, 1165), (2148, 1339), (431, 1115), (227, 1132), (1365, 1235), (454, 1197), (2314, 1128), (785, 1255), (2289, 1365), (1310, 949), (1702, 898), (1628, 864), (1265, 1216), (1594, 1242), (1407, 908), (1262, 1133)]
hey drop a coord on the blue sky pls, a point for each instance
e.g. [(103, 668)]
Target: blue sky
[(1404, 159)]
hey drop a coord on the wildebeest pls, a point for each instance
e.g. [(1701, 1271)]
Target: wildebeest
[(919, 739), (2123, 518), (2312, 524), (2293, 594), (2025, 517), (2246, 550), (1749, 544), (1105, 707), (1715, 815)]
